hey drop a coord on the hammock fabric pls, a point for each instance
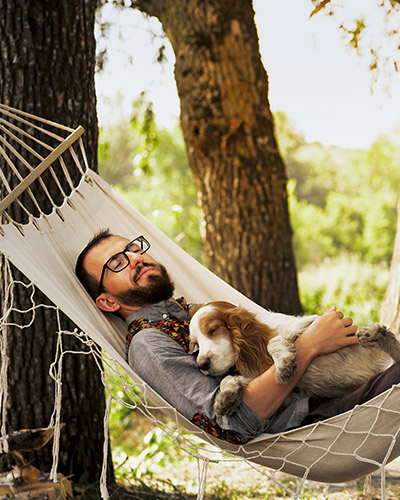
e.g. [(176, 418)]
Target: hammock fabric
[(340, 449)]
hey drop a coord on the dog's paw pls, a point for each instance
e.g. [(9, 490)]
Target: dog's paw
[(285, 371), (283, 352), (374, 334), (379, 335), (228, 398)]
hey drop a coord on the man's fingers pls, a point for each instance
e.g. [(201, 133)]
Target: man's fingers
[(351, 331), (347, 321), (352, 338)]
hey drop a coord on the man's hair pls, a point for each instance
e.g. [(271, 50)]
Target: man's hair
[(90, 283)]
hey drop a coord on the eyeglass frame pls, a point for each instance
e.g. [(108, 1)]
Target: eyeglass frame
[(142, 239)]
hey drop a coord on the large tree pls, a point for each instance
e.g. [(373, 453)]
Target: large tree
[(47, 68), (229, 134)]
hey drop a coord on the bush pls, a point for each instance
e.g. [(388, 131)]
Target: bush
[(357, 288)]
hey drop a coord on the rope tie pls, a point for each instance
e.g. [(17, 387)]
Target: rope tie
[(103, 477), (383, 483), (367, 485), (3, 389), (7, 277), (56, 375), (203, 470)]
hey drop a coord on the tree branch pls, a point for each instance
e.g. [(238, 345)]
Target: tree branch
[(319, 7)]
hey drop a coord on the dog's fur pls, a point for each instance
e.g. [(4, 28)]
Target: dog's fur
[(230, 336)]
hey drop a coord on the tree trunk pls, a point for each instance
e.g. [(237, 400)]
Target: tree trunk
[(229, 134), (47, 68), (390, 313)]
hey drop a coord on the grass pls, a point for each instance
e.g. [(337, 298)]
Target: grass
[(175, 477), (137, 491), (234, 487)]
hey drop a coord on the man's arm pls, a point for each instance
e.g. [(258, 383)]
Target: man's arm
[(164, 365), (326, 334)]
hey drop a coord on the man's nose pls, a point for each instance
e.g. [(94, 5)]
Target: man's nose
[(134, 258)]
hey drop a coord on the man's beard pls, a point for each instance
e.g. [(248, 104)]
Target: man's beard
[(159, 287)]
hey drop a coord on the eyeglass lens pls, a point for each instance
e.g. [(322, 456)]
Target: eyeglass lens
[(120, 260)]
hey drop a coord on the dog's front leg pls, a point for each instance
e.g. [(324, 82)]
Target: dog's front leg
[(283, 352), (228, 398), (282, 348)]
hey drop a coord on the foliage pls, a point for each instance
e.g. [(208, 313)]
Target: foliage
[(356, 287), (149, 167), (373, 32), (341, 201)]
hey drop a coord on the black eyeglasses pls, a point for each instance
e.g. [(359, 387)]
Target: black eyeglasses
[(120, 260)]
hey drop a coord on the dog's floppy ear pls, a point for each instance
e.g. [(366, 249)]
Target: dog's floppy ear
[(193, 308), (250, 340)]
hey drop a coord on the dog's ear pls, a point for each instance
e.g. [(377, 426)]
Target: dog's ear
[(193, 308), (250, 340)]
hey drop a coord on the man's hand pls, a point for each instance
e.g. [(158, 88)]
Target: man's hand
[(328, 333)]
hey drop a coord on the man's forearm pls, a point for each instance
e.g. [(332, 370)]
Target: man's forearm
[(264, 395)]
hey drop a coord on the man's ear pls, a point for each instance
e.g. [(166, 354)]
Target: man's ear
[(106, 303)]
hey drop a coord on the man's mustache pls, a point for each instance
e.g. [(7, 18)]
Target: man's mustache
[(139, 269)]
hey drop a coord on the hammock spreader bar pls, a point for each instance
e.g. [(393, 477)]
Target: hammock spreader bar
[(38, 171)]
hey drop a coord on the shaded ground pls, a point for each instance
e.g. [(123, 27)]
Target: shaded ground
[(240, 482)]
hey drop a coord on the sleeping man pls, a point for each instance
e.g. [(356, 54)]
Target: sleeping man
[(123, 279)]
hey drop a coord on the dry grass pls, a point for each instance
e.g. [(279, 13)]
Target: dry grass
[(176, 477), (239, 481)]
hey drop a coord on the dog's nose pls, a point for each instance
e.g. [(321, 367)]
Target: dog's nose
[(204, 365)]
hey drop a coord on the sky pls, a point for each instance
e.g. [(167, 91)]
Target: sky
[(314, 77)]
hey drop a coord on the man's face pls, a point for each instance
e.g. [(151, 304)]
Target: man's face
[(143, 282)]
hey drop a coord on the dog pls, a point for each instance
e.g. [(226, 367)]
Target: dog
[(229, 337)]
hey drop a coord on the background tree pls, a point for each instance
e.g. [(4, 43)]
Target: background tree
[(229, 134), (47, 68)]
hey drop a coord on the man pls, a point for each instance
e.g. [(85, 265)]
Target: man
[(123, 279)]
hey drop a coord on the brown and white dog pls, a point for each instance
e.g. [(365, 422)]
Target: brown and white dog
[(230, 336)]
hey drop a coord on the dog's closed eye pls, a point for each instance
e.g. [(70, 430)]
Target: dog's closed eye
[(215, 331), (211, 331)]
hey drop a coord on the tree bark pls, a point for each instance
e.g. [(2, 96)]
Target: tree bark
[(47, 68), (229, 134), (390, 313)]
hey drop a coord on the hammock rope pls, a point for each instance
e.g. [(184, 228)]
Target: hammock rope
[(340, 449)]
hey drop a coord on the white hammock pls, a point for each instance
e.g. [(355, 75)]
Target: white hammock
[(339, 449)]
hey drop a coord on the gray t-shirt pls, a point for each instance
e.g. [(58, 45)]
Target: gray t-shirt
[(166, 367)]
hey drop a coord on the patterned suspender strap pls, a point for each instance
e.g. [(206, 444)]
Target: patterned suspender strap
[(179, 331), (211, 427)]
